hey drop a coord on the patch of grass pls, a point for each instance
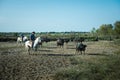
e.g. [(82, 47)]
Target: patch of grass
[(106, 69), (113, 65), (50, 62), (117, 42)]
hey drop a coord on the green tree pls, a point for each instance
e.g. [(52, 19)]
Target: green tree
[(15, 34), (93, 31), (110, 29), (105, 29), (117, 27)]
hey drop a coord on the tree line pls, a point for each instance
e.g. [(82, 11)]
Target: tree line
[(107, 30)]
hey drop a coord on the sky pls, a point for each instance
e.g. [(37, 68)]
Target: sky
[(57, 15)]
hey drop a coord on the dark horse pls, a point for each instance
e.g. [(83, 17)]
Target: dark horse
[(80, 47), (60, 42)]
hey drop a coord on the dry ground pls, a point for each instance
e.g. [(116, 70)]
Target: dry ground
[(16, 63), (101, 47)]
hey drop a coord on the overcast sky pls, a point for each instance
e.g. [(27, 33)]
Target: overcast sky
[(57, 15)]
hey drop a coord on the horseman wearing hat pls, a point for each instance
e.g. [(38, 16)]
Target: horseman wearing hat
[(32, 38)]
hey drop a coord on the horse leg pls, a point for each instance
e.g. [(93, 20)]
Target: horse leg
[(81, 52), (35, 48), (29, 50), (84, 52), (76, 52)]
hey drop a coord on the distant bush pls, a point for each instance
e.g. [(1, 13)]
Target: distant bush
[(5, 39)]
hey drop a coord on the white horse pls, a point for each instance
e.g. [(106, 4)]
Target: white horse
[(25, 38), (19, 39), (28, 44)]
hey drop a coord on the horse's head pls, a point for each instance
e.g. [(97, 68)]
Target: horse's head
[(36, 42), (25, 38), (38, 39)]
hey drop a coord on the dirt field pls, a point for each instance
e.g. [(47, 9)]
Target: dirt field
[(17, 64), (51, 48)]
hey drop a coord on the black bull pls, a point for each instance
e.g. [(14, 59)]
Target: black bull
[(60, 42), (80, 47)]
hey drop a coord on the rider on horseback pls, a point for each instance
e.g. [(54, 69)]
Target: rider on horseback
[(32, 38)]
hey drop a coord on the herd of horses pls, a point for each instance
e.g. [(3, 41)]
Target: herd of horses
[(80, 47)]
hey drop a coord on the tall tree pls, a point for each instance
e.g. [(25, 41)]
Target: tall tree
[(105, 29), (109, 29), (117, 27), (94, 32)]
